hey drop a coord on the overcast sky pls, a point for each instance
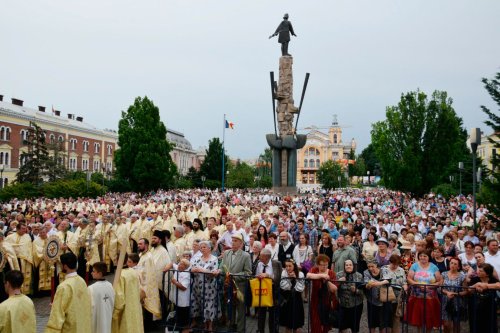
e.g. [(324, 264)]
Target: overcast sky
[(200, 59)]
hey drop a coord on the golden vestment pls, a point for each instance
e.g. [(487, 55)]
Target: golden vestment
[(127, 315), (71, 308), (147, 279), (45, 270), (23, 249), (17, 314)]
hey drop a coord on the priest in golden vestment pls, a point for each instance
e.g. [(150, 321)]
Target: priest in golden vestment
[(103, 238), (21, 242), (84, 246), (17, 313), (127, 315), (71, 308), (43, 270)]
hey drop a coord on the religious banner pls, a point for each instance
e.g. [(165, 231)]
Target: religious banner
[(52, 250)]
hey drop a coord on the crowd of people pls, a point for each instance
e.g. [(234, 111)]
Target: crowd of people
[(423, 262)]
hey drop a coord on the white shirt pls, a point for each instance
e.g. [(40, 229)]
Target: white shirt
[(268, 266), (493, 260), (181, 298), (102, 297), (274, 251)]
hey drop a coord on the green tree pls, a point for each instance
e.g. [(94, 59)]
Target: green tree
[(241, 176), (264, 164), (490, 191), (351, 168), (34, 166), (56, 169), (194, 177), (420, 143), (143, 158), (371, 161), (212, 165), (329, 173)]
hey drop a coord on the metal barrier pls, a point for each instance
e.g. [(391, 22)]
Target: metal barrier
[(218, 301)]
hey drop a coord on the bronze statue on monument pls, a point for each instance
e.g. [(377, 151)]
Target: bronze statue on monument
[(284, 30), (286, 141)]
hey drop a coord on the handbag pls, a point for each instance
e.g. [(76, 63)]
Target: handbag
[(262, 292), (387, 294), (306, 266)]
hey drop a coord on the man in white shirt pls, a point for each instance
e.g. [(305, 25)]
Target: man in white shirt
[(492, 256), (266, 268), (102, 297)]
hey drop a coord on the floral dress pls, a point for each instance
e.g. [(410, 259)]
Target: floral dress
[(204, 290), (456, 310)]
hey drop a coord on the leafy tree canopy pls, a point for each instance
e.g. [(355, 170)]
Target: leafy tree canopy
[(241, 176), (143, 158), (329, 173), (490, 192), (212, 165), (420, 142)]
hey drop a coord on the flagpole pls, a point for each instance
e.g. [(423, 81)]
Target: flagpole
[(223, 143)]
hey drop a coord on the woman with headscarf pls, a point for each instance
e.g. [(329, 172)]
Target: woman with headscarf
[(350, 297)]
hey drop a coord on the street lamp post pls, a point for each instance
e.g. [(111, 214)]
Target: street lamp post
[(203, 178), (368, 174), (460, 169), (475, 140), (340, 181)]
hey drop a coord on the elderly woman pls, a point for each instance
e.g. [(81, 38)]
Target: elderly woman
[(323, 292), (394, 275), (382, 255), (373, 279), (254, 255), (423, 305), (350, 297), (204, 292)]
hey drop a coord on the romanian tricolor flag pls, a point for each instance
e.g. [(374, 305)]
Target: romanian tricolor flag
[(229, 125)]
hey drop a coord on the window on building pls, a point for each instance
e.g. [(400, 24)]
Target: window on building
[(318, 163), (52, 139), (335, 138), (110, 149), (72, 143), (72, 163), (5, 133), (4, 158), (85, 145), (97, 147), (85, 165), (24, 136), (305, 163), (96, 165), (311, 163)]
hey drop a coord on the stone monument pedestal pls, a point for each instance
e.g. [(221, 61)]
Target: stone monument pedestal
[(284, 171)]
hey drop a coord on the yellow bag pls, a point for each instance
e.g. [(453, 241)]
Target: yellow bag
[(262, 292)]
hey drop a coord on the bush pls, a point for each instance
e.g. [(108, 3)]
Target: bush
[(184, 183), (213, 184), (445, 190), (57, 189), (20, 191)]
